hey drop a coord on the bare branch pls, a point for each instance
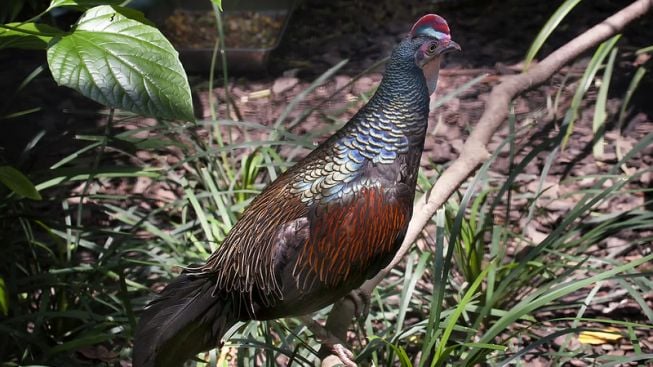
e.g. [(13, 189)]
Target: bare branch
[(474, 152)]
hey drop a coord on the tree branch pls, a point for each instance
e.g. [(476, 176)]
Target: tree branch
[(474, 152)]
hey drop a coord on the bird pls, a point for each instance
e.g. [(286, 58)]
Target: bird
[(321, 229)]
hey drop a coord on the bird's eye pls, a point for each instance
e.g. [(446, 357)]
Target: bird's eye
[(432, 47)]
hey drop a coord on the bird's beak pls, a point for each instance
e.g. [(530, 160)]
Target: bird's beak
[(448, 46)]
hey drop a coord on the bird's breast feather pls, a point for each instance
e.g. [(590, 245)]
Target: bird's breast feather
[(349, 238)]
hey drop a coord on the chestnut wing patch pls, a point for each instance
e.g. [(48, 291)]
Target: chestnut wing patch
[(351, 237)]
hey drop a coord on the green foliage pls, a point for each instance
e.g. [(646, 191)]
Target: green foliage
[(84, 4), (113, 55), (29, 35), (491, 306), (107, 47), (217, 3), (4, 298), (58, 273), (18, 183), (548, 28), (584, 84), (600, 110)]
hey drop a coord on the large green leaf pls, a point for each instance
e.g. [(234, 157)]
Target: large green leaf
[(27, 35), (18, 183), (121, 62)]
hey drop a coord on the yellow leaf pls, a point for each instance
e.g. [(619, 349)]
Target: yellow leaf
[(605, 336)]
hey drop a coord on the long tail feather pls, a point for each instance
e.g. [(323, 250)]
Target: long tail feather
[(186, 319)]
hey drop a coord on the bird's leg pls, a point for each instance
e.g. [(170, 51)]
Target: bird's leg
[(329, 340), (361, 299)]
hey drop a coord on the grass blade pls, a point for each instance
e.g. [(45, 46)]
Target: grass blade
[(600, 109), (548, 28)]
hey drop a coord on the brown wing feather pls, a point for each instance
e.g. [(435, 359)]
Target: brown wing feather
[(245, 261), (358, 235), (292, 259)]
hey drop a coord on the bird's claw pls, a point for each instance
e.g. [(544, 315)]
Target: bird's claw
[(329, 341), (345, 355), (361, 300)]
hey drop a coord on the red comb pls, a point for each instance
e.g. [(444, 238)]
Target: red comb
[(432, 21)]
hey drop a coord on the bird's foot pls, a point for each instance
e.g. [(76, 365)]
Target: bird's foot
[(330, 341), (361, 300), (345, 355)]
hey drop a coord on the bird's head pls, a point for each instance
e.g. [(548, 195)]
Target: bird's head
[(431, 37)]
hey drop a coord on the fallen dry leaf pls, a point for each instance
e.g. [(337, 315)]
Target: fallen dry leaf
[(607, 335)]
